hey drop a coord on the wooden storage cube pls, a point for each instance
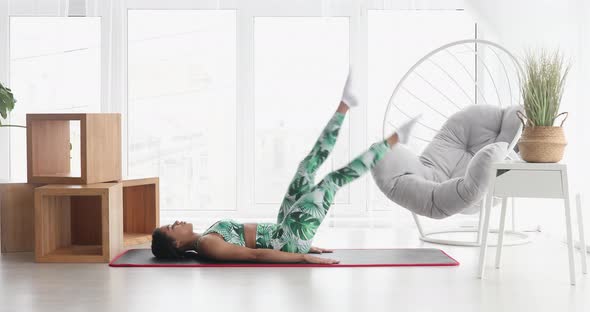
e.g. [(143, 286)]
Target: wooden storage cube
[(16, 217), (141, 210), (48, 148), (78, 223)]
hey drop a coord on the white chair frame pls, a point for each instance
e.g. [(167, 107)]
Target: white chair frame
[(429, 236)]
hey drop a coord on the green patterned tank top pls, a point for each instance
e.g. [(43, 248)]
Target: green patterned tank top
[(233, 233)]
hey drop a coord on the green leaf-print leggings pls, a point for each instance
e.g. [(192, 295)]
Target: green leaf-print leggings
[(306, 204)]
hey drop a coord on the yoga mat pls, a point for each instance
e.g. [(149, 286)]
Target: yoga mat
[(348, 258)]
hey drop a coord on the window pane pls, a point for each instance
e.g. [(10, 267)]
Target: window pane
[(396, 41), (54, 67), (300, 67), (182, 105)]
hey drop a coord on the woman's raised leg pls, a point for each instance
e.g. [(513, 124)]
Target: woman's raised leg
[(297, 230), (303, 180)]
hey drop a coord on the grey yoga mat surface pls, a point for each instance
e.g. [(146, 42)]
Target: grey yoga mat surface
[(347, 257)]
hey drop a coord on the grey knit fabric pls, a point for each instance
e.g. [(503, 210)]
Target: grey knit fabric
[(452, 174)]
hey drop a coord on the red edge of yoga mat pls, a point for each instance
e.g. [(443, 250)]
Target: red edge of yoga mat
[(284, 265)]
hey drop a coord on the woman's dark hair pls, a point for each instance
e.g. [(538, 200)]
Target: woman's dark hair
[(163, 246)]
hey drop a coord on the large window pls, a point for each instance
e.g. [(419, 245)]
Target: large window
[(224, 146), (55, 67), (300, 67), (182, 105)]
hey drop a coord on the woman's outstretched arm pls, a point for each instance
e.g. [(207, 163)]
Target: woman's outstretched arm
[(216, 248)]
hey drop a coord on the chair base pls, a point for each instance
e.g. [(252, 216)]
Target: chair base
[(521, 238)]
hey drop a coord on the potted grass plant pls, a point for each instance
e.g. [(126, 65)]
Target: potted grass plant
[(7, 102), (542, 87)]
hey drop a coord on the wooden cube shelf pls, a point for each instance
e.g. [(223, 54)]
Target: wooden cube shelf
[(141, 210), (16, 217), (78, 223), (48, 148)]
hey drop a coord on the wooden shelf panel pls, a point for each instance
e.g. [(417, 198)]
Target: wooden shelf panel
[(17, 231), (58, 175), (75, 254), (77, 250), (131, 239), (141, 209)]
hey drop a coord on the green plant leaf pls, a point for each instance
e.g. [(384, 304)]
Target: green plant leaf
[(10, 104), (543, 84), (7, 101), (3, 112)]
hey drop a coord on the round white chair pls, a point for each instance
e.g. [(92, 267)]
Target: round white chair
[(442, 83)]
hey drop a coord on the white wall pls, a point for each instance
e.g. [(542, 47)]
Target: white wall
[(552, 24), (533, 24)]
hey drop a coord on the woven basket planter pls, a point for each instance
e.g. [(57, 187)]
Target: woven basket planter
[(542, 144)]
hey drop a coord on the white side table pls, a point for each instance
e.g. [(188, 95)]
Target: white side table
[(537, 180)]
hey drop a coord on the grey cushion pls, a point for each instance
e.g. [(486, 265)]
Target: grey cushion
[(451, 175)]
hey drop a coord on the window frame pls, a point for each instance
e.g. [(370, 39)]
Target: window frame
[(114, 79)]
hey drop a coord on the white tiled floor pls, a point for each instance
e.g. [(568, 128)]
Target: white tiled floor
[(534, 277)]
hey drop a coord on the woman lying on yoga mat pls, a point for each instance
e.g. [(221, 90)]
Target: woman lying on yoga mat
[(304, 207)]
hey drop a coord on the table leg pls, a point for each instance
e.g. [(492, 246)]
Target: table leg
[(486, 228), (513, 214), (501, 232), (480, 222), (568, 227), (581, 232)]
